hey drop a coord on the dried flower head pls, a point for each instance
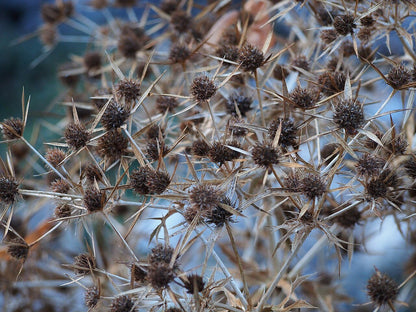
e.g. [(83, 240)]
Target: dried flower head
[(288, 131), (280, 72), (200, 148), (76, 135), (328, 35), (63, 211), (250, 58), (398, 76), (154, 149), (158, 182), (92, 173), (219, 216), (367, 21), (114, 116), (300, 61), (369, 165), (160, 275), (138, 274), (168, 6), (84, 264), (194, 283), (344, 24), (166, 103), (410, 167), (382, 289), (125, 3), (229, 53), (203, 88), (265, 155), (91, 297), (313, 185), (18, 248), (127, 90), (349, 218), (220, 153), (112, 145), (160, 254), (349, 115), (9, 189), (179, 53), (94, 199), (55, 156), (60, 186), (122, 304), (12, 128), (304, 98), (92, 61), (332, 82), (181, 21), (238, 101), (205, 197)]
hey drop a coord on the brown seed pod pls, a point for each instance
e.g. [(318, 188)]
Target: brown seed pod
[(179, 53), (91, 297), (398, 76), (181, 21), (127, 90), (293, 182), (137, 273), (122, 304), (369, 165), (250, 58), (194, 283), (328, 36), (332, 82), (300, 61), (205, 198), (348, 115), (382, 289), (239, 101), (63, 211), (60, 186), (200, 148), (304, 98), (228, 52), (410, 166), (76, 135), (280, 72), (12, 128), (112, 145), (9, 189), (288, 133), (313, 185), (154, 149), (55, 156), (367, 21), (169, 6), (158, 182), (265, 155), (160, 254), (92, 61), (329, 152), (220, 153), (125, 3), (84, 264), (203, 88), (114, 116), (129, 45), (92, 173), (160, 275), (138, 180), (344, 24), (18, 248), (94, 199), (166, 103), (219, 216)]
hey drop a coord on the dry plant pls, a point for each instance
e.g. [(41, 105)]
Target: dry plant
[(210, 153)]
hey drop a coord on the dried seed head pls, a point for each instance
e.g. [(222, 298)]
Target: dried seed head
[(220, 153), (347, 48), (169, 6), (154, 149), (158, 182), (122, 304), (410, 167), (92, 61), (349, 218), (366, 52), (204, 198), (94, 199), (181, 21), (160, 254), (367, 21), (332, 82), (236, 130), (194, 283), (55, 156), (329, 152), (200, 148), (91, 297), (228, 52), (382, 289), (376, 188), (160, 275), (288, 133), (240, 101), (250, 58), (219, 216), (76, 135), (129, 45), (155, 132), (349, 115), (398, 145), (398, 76), (344, 24), (63, 211), (324, 16), (84, 264), (280, 72), (92, 173), (12, 128), (265, 155), (365, 34), (138, 180), (114, 116), (138, 274), (18, 248), (179, 53), (19, 150), (166, 103), (60, 186), (203, 88), (304, 98), (369, 165), (293, 182), (301, 62), (8, 189), (51, 13), (127, 90), (313, 185), (112, 145), (328, 36)]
